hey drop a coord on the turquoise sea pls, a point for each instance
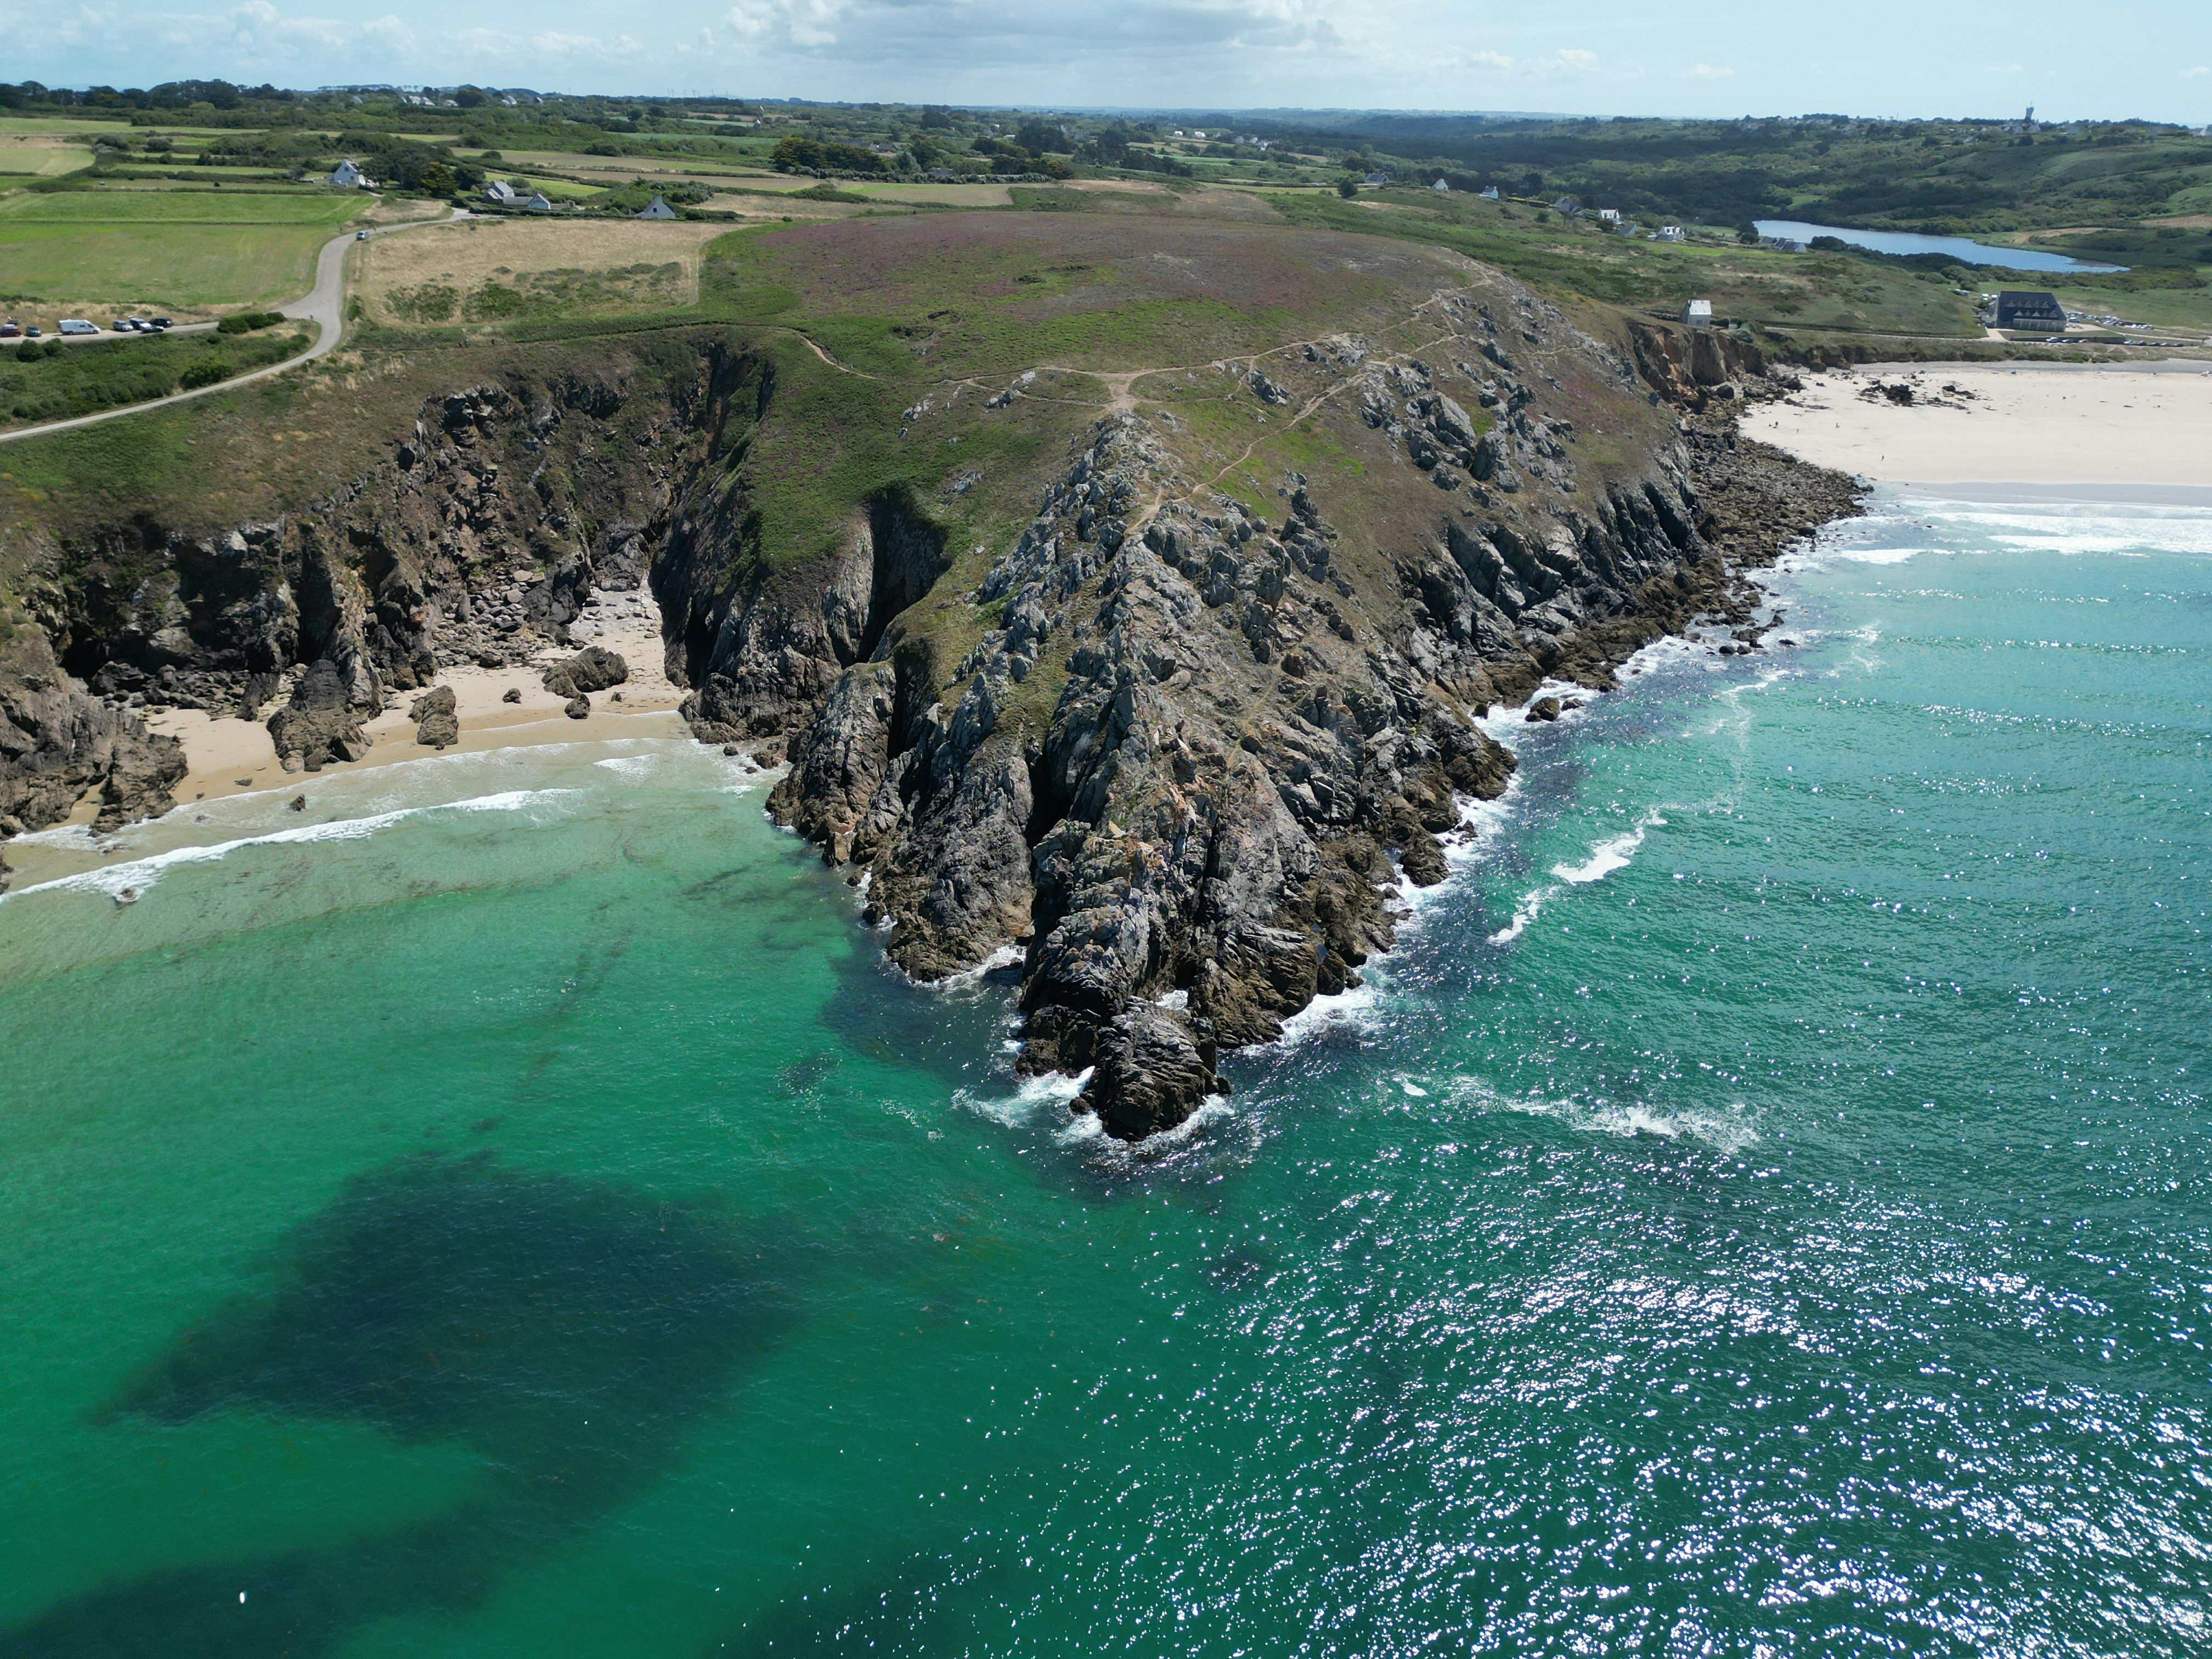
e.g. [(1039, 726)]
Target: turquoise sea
[(1764, 1208)]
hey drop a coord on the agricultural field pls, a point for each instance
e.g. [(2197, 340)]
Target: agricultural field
[(188, 252), (503, 270)]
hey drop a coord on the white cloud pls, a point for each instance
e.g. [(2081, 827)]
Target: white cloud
[(1707, 72), (2198, 73)]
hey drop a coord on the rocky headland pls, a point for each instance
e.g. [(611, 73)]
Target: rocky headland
[(1175, 740)]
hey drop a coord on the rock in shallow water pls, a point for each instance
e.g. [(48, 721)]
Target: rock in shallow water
[(1151, 1072)]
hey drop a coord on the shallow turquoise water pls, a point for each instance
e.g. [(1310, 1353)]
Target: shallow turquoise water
[(1764, 1208)]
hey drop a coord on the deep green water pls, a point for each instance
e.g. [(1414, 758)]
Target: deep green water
[(1764, 1209)]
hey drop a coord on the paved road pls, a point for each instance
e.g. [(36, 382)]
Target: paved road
[(324, 305)]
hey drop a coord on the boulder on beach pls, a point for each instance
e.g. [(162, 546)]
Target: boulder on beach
[(437, 725), (592, 669)]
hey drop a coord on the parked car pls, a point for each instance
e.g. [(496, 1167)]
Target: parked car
[(11, 329), (122, 325), (79, 326), (361, 236), (33, 332), (157, 322)]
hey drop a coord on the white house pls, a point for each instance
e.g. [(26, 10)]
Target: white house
[(1442, 186), (1670, 233), (1490, 194), (657, 208), (1611, 215), (348, 176), (537, 203), (1698, 313)]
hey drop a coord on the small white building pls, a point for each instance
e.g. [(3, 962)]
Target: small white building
[(1670, 233), (1441, 186), (1698, 313), (657, 208), (539, 203), (1490, 194), (349, 176), (1611, 215)]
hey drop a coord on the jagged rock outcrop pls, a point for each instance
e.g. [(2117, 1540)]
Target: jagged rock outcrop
[(321, 725), (58, 742), (1188, 765), (436, 717), (594, 668)]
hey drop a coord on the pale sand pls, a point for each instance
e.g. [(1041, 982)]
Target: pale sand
[(2040, 425), (228, 756)]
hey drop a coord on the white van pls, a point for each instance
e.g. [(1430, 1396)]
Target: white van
[(79, 326)]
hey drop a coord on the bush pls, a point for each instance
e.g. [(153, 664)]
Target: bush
[(245, 322), (206, 374), (1347, 188)]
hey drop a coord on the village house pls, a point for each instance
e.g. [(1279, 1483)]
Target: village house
[(2026, 309), (657, 208), (349, 176), (539, 204), (1442, 186), (500, 193), (1566, 207), (1670, 234)]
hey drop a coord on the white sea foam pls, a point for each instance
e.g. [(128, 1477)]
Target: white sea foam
[(1609, 855), (1029, 1097), (968, 979), (1356, 1008), (141, 873), (1728, 1131)]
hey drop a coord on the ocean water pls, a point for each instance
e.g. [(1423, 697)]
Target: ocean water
[(1765, 1208)]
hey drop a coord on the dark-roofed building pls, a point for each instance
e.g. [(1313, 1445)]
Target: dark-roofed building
[(2026, 309)]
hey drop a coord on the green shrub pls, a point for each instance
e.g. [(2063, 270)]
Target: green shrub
[(206, 374), (243, 322)]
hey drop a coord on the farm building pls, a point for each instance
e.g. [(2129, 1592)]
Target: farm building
[(1440, 184), (539, 204), (1698, 313), (499, 192), (656, 208), (2026, 309)]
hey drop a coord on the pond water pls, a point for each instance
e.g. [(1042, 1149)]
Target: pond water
[(1961, 248)]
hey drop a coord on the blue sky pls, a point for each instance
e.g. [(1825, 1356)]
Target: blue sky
[(2151, 58)]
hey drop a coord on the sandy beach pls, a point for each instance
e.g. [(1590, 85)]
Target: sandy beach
[(2038, 428), (229, 756)]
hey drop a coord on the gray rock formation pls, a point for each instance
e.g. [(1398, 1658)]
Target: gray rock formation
[(592, 669), (437, 723), (58, 742), (321, 724)]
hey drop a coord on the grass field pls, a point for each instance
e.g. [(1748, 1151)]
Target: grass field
[(957, 294), (181, 250), (1816, 293), (514, 270), (79, 380)]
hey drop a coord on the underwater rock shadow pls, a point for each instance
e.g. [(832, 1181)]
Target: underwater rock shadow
[(573, 1334)]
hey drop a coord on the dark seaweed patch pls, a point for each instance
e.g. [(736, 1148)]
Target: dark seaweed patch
[(571, 1334)]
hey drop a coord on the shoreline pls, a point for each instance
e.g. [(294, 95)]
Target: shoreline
[(2134, 431), (228, 755)]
